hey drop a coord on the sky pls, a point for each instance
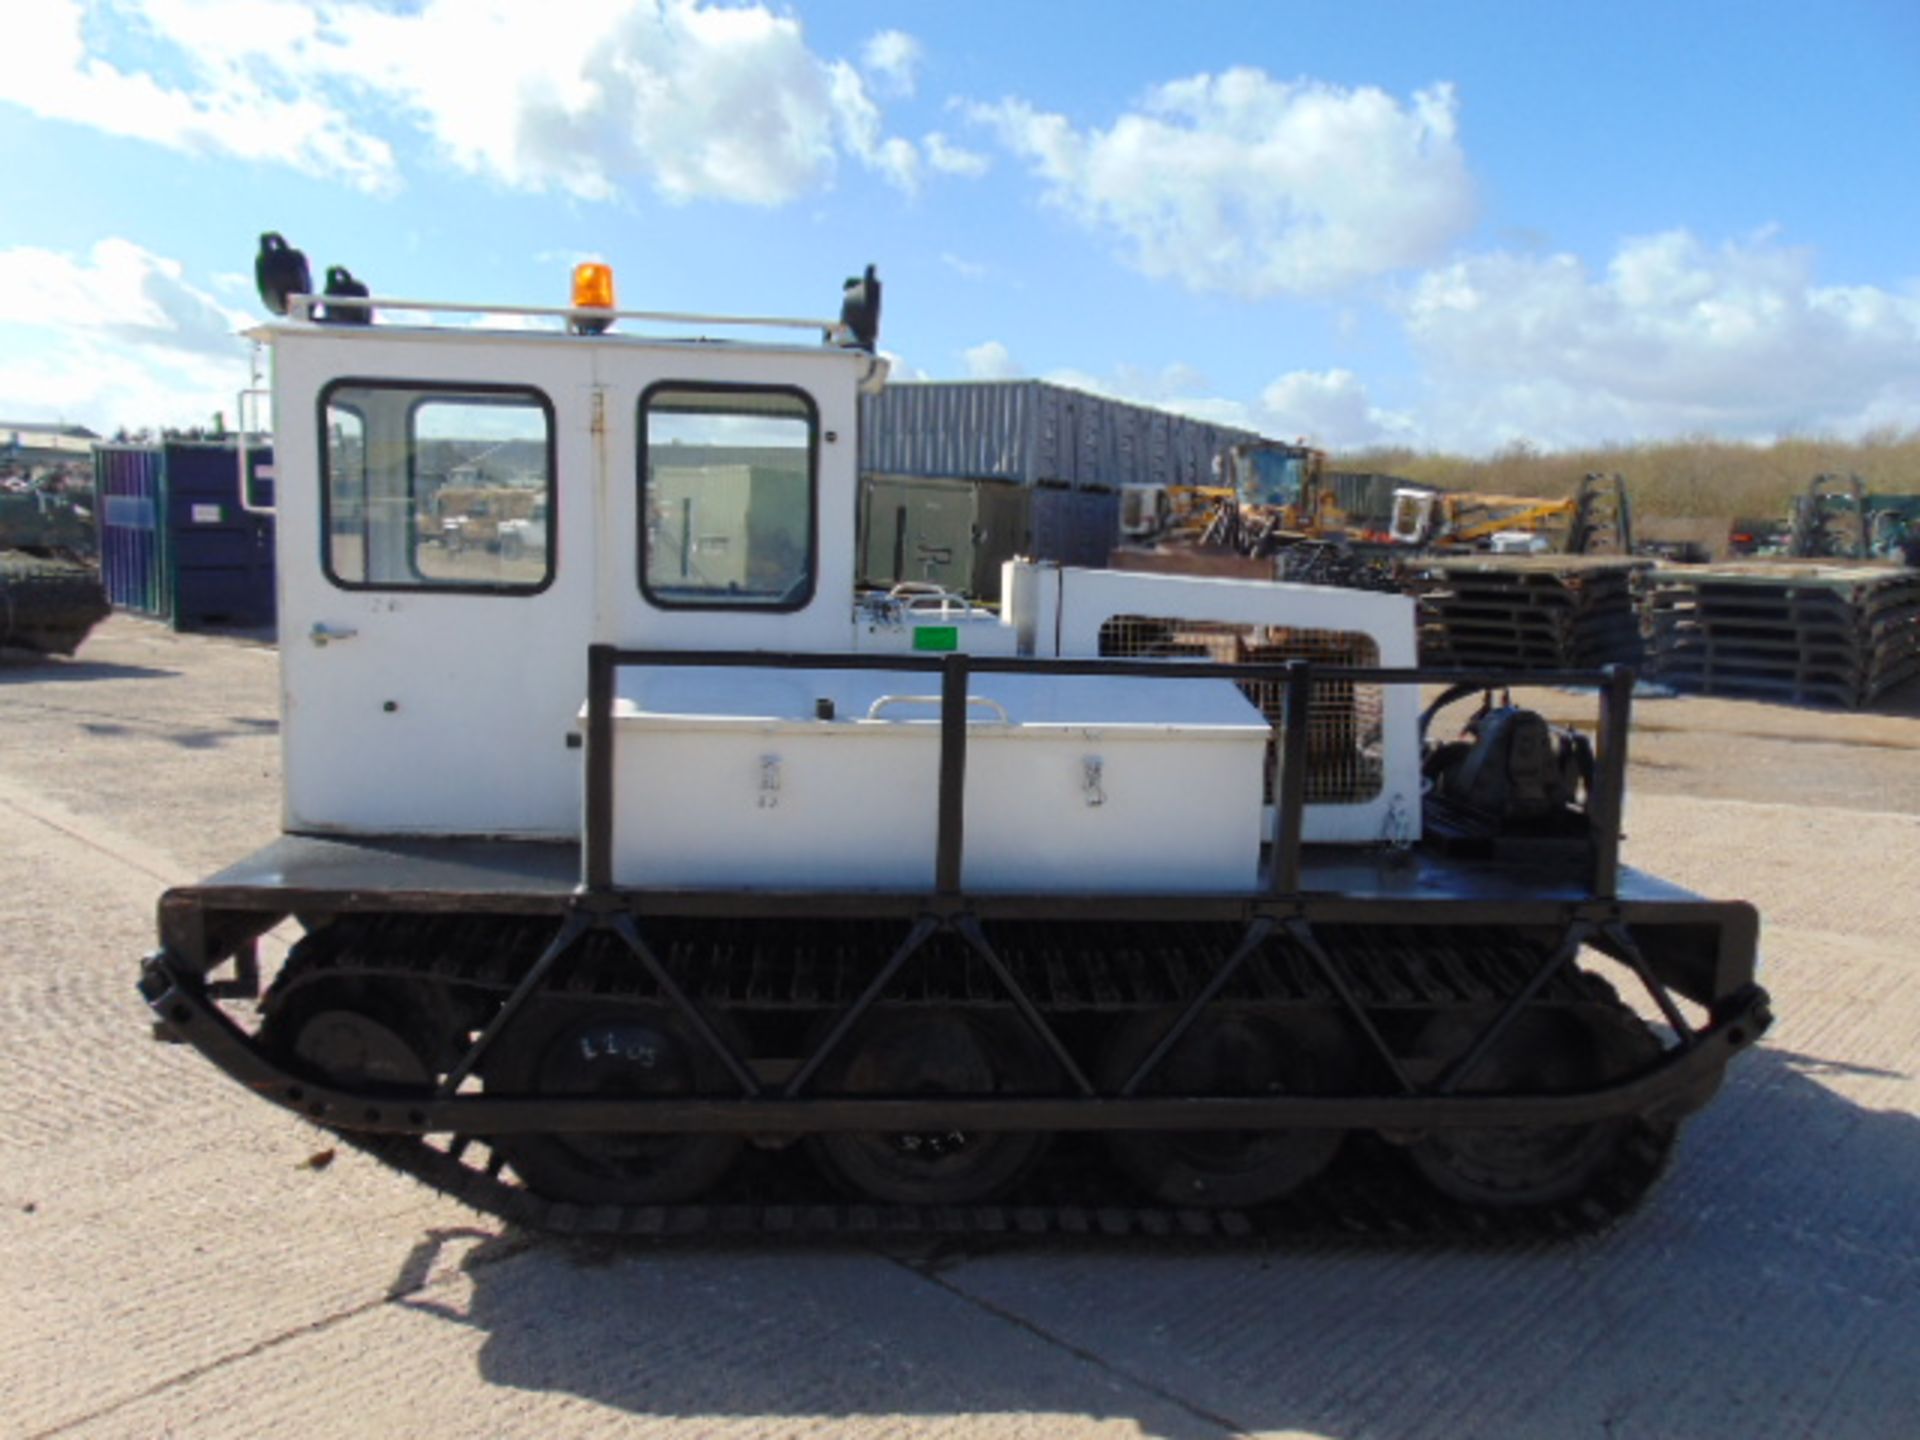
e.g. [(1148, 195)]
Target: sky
[(1457, 226)]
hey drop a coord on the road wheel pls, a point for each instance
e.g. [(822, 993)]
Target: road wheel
[(904, 1051), (1229, 1053), (645, 1051), (369, 1035), (1545, 1051)]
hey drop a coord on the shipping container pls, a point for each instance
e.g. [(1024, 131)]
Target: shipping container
[(1033, 432), (952, 533), (126, 481), (1074, 527), (175, 541)]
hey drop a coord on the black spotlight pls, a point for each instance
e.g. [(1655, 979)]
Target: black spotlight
[(860, 309), (340, 282), (280, 271)]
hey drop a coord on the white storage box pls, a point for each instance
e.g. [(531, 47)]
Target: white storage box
[(726, 779)]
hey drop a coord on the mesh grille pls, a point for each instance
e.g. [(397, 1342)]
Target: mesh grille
[(1344, 762)]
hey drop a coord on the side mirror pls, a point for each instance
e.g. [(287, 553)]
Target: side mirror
[(860, 312), (280, 272), (340, 282)]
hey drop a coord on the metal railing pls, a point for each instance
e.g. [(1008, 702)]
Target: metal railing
[(1605, 798)]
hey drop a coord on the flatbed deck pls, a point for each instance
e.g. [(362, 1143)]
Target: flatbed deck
[(1703, 947), (526, 876)]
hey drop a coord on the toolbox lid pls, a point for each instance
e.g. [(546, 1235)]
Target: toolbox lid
[(863, 701)]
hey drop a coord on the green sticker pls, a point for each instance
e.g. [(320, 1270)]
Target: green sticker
[(936, 637)]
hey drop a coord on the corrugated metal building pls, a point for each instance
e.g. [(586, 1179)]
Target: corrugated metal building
[(1032, 432)]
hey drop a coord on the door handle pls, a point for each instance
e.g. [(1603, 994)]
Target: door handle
[(323, 632)]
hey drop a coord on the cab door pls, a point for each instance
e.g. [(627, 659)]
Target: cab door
[(437, 527)]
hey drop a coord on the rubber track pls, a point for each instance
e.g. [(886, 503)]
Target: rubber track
[(1370, 1194), (48, 605)]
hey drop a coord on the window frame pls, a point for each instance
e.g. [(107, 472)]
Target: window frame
[(643, 450), (427, 392)]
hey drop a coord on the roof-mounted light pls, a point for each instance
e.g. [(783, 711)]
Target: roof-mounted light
[(592, 290)]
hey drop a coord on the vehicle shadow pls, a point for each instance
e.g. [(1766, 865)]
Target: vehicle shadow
[(29, 666), (196, 738), (1767, 1287), (1902, 700)]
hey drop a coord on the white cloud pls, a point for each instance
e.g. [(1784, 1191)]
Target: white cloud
[(696, 101), (964, 268), (117, 338), (893, 58), (990, 360), (901, 368), (1241, 183), (1675, 337), (223, 106), (1331, 409), (1672, 338), (860, 127), (950, 159)]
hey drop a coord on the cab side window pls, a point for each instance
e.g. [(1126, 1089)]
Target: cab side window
[(727, 512), (437, 487)]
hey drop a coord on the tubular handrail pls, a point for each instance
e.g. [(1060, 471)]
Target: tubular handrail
[(984, 702), (301, 307), (1605, 801)]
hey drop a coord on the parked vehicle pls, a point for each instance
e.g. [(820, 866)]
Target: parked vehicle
[(665, 885), (1594, 519), (50, 591)]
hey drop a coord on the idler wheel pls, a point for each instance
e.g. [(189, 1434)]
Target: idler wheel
[(560, 1048), (1545, 1051), (900, 1051), (366, 1036), (1230, 1054)]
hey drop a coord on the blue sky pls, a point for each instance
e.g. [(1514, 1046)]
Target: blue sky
[(1454, 225)]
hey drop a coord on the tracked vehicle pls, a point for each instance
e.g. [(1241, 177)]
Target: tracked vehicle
[(50, 591), (648, 880)]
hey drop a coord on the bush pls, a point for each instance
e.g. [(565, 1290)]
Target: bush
[(1694, 477)]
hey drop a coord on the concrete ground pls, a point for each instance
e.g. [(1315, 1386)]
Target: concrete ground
[(175, 1263)]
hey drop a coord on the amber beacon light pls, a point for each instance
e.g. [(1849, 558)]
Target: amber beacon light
[(592, 290)]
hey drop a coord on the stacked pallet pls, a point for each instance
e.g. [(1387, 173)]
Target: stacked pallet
[(1812, 634), (1526, 612)]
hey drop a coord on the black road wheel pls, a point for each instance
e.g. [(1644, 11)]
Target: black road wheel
[(580, 1048), (370, 1035), (1545, 1051), (904, 1051), (1229, 1053)]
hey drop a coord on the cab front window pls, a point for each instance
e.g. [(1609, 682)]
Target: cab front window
[(437, 487)]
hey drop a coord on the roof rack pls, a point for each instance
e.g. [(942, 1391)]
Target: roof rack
[(301, 307)]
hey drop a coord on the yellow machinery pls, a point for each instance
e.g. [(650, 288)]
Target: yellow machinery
[(468, 517), (1267, 495), (1595, 518)]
